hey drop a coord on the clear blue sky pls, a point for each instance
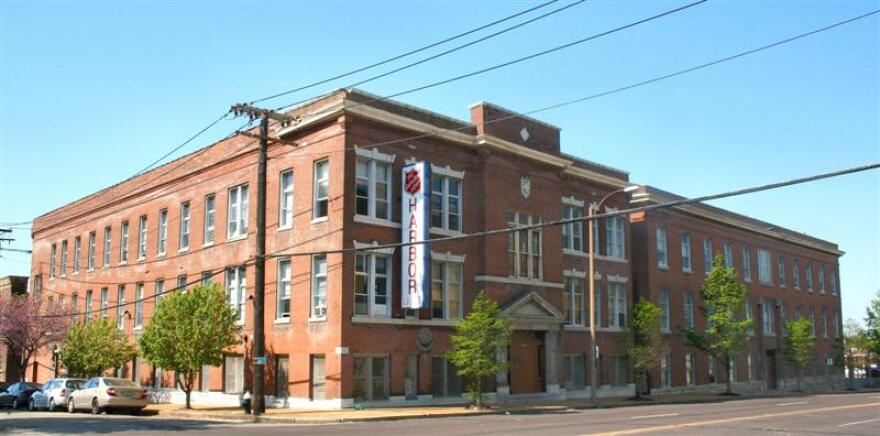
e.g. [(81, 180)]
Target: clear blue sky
[(94, 90)]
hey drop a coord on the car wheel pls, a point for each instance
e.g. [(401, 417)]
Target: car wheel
[(15, 404), (31, 406), (96, 408), (52, 405), (70, 407)]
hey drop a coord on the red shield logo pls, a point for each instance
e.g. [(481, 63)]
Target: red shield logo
[(413, 182)]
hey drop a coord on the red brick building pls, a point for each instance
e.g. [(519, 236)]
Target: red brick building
[(336, 333)]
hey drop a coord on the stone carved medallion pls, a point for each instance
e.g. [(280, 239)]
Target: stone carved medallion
[(425, 341)]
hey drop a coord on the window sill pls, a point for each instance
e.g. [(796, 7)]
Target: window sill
[(161, 255), (445, 232), (687, 271), (320, 220), (578, 253), (363, 219), (138, 328), (183, 250), (576, 328), (518, 281), (663, 267), (612, 259), (239, 322), (236, 238), (282, 321), (361, 319), (281, 229), (318, 319)]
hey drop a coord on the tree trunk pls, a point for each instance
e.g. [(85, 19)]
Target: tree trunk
[(639, 381), (187, 384), (727, 373)]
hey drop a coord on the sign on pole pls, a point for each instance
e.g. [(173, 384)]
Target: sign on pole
[(415, 259)]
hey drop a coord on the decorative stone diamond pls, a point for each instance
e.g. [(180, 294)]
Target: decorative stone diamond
[(524, 134)]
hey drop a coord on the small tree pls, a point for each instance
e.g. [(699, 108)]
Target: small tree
[(95, 346), (727, 330), (190, 330), (475, 345), (854, 344), (25, 328), (647, 341), (798, 345), (872, 335)]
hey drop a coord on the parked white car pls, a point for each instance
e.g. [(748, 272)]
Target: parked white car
[(54, 393), (100, 394)]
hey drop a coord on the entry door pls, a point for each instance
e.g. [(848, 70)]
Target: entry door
[(771, 369), (526, 362)]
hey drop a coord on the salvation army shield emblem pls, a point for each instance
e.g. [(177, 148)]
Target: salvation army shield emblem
[(525, 186), (412, 182)]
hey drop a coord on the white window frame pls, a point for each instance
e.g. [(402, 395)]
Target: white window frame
[(233, 369), (123, 243), (765, 273), (370, 276), (185, 212), (514, 243), (662, 252), (445, 175), (687, 260), (821, 277), (108, 246), (665, 305), (728, 254), (237, 212), (64, 258), (210, 219), (159, 291), (236, 290), (372, 160), (747, 264), (617, 304), (77, 252), (104, 302), (162, 233), (120, 307), (767, 318), (688, 316), (142, 237), (284, 288), (320, 180), (447, 281), (575, 289), (92, 247), (285, 199), (573, 233), (808, 273), (615, 236), (139, 305), (832, 278), (795, 274), (707, 255), (690, 368), (780, 270), (318, 297)]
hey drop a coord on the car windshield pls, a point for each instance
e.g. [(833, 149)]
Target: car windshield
[(75, 384), (120, 382), (26, 386)]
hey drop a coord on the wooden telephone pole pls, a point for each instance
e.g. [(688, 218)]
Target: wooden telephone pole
[(259, 346)]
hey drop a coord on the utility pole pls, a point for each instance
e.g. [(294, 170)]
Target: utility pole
[(258, 401)]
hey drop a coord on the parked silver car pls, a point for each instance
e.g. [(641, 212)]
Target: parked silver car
[(54, 393)]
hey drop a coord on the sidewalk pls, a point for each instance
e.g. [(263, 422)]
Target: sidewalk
[(300, 416)]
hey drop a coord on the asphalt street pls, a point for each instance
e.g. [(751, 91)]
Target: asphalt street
[(843, 414)]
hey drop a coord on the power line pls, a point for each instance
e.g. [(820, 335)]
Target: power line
[(454, 49), (528, 57), (403, 55), (183, 144), (629, 211)]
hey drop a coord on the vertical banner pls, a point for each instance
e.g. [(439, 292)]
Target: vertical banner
[(415, 227)]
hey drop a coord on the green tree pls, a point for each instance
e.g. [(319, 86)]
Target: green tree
[(188, 330), (872, 333), (95, 346), (797, 346), (647, 346), (854, 344), (724, 300), (475, 345)]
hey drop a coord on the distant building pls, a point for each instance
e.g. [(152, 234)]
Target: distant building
[(336, 332), (9, 286)]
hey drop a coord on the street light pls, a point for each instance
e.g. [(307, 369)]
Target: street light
[(594, 349)]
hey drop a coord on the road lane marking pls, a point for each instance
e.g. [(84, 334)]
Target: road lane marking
[(792, 404), (728, 420), (654, 416), (858, 422)]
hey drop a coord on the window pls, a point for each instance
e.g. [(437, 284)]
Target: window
[(446, 202), (206, 278), (233, 374), (237, 213), (781, 269), (321, 189), (139, 305), (285, 200), (690, 368), (821, 279), (105, 295), (319, 286), (373, 189), (91, 260), (767, 317), (282, 303), (832, 279), (318, 377), (184, 227), (728, 254), (370, 379), (181, 282), (411, 377), (597, 303), (666, 371), (615, 237), (209, 219), (765, 276), (372, 284), (573, 233), (747, 264), (524, 247), (707, 255), (446, 289), (808, 273), (620, 369), (282, 377), (836, 321), (77, 252), (142, 238), (617, 304), (108, 241), (160, 290), (688, 309), (445, 381), (795, 274), (748, 311), (662, 257), (751, 366), (63, 258), (88, 307), (824, 322), (162, 246), (120, 308), (664, 306), (686, 264), (123, 242), (575, 370), (236, 288), (573, 301), (813, 320)]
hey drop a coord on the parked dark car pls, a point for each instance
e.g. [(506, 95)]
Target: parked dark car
[(18, 394)]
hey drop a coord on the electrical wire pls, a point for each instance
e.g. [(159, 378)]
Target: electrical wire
[(183, 144)]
